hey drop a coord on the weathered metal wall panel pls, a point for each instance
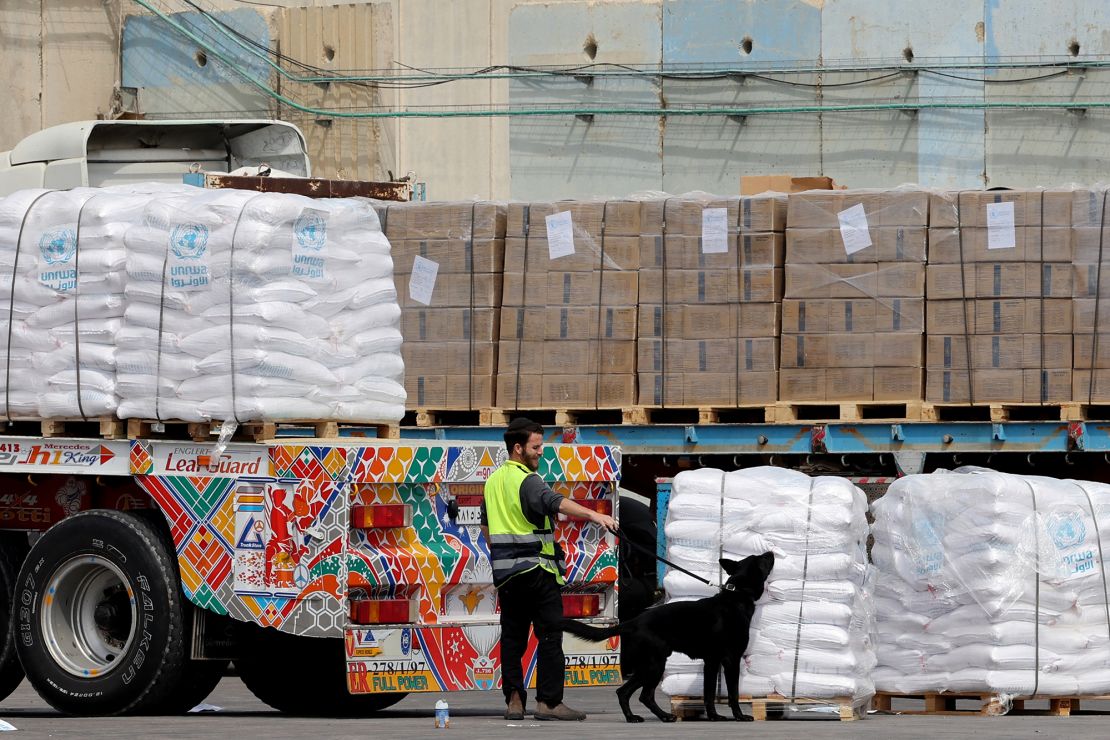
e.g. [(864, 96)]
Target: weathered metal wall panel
[(554, 157), (712, 152), (21, 60), (344, 37), (1048, 147), (175, 78)]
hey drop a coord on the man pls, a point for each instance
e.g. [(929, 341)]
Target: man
[(518, 512)]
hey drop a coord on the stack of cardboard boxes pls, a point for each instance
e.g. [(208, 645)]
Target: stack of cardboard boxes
[(853, 315), (568, 317), (710, 287), (999, 288), (1091, 291), (448, 260)]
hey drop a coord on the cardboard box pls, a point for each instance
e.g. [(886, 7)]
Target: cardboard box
[(607, 287), (707, 355), (1001, 316), (552, 357), (683, 216), (765, 249), (998, 386), (755, 285), (831, 281), (454, 256), (1090, 386), (605, 322), (899, 384), (1000, 351), (707, 389), (756, 184), (621, 218), (851, 350), (1084, 316), (450, 324), (802, 385), (999, 280), (449, 358), (612, 253), (762, 213), (825, 246), (1031, 244), (449, 392), (1087, 208), (443, 220), (581, 391), (821, 210), (1091, 351), (481, 290), (863, 315), (972, 207)]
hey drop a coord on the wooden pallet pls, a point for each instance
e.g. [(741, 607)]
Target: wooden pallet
[(765, 707), (742, 414), (862, 411), (426, 417), (989, 705), (106, 427), (1003, 412), (257, 431), (560, 417)]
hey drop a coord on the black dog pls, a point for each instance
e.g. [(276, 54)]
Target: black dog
[(714, 629)]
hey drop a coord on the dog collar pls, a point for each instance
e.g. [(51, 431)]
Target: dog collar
[(728, 587)]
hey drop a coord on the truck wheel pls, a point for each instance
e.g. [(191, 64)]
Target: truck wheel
[(264, 666), (13, 549), (99, 615)]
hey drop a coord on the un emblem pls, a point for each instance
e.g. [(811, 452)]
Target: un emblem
[(189, 241), (58, 246), (311, 230)]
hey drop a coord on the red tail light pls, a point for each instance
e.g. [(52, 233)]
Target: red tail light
[(383, 611), (381, 516), (577, 606)]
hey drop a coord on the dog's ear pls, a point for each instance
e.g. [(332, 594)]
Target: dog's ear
[(766, 563), (729, 566)]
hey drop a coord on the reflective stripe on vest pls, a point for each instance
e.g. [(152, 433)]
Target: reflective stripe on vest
[(516, 545)]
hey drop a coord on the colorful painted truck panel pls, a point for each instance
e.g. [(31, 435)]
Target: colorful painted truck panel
[(265, 534)]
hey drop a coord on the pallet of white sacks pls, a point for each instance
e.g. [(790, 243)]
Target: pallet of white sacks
[(983, 704), (772, 706)]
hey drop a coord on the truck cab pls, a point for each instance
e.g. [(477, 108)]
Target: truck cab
[(99, 153)]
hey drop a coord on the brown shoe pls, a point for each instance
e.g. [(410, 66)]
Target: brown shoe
[(515, 708), (560, 712)]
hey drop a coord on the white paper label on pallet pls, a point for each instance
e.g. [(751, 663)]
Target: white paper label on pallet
[(560, 235), (853, 229), (422, 281), (714, 231), (310, 245), (58, 258), (1000, 226)]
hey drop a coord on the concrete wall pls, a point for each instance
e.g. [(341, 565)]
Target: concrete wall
[(59, 60), (610, 155)]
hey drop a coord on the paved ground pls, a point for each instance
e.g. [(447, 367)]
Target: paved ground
[(476, 715)]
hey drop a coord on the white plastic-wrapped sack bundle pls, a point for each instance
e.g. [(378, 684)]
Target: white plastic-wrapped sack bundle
[(811, 636), (61, 287), (245, 306), (993, 583)]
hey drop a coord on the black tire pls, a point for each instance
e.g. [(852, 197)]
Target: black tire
[(13, 550), (101, 553), (264, 663), (198, 679)]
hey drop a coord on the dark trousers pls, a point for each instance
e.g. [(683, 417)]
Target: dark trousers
[(532, 599)]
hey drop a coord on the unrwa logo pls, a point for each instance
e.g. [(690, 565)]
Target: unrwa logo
[(311, 230), (58, 245), (1067, 530), (189, 241)]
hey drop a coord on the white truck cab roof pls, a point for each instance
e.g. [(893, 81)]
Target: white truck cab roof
[(97, 153)]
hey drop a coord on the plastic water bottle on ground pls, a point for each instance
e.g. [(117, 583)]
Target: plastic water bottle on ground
[(443, 717)]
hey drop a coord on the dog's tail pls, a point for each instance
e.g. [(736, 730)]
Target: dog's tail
[(588, 631)]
